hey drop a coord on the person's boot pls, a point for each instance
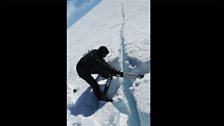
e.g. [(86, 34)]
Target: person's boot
[(108, 100), (105, 99)]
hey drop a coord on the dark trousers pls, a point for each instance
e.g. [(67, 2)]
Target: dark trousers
[(101, 68), (93, 83)]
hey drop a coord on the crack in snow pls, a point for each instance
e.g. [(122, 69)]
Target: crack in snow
[(133, 119)]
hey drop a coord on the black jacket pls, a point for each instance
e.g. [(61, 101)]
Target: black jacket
[(93, 63)]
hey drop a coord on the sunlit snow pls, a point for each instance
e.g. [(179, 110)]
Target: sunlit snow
[(123, 27)]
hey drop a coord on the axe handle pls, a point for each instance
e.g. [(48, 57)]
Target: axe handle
[(132, 75)]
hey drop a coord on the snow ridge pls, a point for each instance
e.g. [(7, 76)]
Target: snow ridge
[(133, 119)]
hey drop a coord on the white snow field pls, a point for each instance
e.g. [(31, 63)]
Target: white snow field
[(123, 27)]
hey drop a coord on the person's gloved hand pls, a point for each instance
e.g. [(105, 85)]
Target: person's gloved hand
[(121, 74)]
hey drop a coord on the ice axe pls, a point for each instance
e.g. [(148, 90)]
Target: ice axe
[(132, 75)]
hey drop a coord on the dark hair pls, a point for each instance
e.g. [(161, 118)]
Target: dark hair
[(103, 50)]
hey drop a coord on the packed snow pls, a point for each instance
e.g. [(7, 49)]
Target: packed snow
[(123, 27)]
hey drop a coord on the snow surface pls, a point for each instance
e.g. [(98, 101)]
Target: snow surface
[(78, 8), (123, 27)]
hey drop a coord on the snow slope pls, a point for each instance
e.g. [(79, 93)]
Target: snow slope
[(78, 8), (123, 27)]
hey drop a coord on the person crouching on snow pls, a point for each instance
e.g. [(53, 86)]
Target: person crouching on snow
[(94, 63)]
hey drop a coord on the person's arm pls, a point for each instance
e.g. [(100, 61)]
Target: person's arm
[(107, 68)]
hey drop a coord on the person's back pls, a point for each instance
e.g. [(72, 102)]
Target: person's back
[(86, 63)]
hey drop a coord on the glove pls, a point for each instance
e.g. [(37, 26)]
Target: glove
[(121, 74)]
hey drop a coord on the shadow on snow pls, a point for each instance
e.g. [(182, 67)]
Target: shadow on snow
[(87, 104)]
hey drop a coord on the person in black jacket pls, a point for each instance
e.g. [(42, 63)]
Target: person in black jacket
[(93, 63)]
